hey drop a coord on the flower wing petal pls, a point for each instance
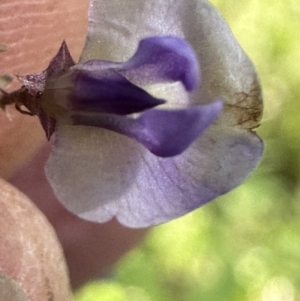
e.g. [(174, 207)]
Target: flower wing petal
[(163, 59), (165, 133)]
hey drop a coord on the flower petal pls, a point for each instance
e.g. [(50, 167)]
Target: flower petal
[(165, 133), (107, 87), (98, 174), (163, 59), (160, 59), (108, 92), (116, 27)]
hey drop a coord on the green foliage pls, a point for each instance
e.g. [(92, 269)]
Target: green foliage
[(245, 245)]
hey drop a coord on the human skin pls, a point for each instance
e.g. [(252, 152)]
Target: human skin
[(33, 31), (32, 265)]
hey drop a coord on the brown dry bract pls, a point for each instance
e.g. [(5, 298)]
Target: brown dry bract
[(248, 107)]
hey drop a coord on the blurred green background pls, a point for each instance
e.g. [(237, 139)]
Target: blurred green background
[(245, 245)]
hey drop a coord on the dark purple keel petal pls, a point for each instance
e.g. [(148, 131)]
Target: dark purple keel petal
[(163, 59), (106, 91), (165, 133), (110, 87)]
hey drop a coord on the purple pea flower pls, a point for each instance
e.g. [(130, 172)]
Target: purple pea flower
[(137, 136)]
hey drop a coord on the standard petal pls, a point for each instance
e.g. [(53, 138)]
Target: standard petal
[(165, 133), (116, 27), (98, 174)]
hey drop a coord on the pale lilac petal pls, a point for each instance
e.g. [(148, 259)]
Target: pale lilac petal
[(116, 27), (165, 133), (98, 174)]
